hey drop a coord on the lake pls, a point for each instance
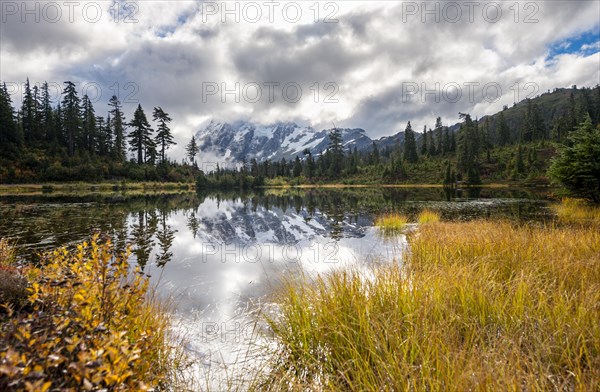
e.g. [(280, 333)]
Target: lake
[(219, 256)]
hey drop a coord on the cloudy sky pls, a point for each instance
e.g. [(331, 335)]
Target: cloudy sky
[(373, 65)]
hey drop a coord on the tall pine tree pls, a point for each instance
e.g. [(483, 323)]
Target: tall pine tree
[(192, 150), (140, 134), (71, 115), (410, 145), (164, 137), (117, 126)]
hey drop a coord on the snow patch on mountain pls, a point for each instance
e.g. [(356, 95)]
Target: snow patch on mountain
[(229, 144)]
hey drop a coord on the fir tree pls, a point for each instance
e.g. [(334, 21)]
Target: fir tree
[(71, 115), (503, 131), (297, 167), (140, 134), (46, 115), (468, 149), (577, 167), (164, 137), (432, 151), (192, 150), (336, 153), (9, 139), (117, 126), (439, 136), (410, 145), (424, 149), (88, 120), (374, 157), (28, 113)]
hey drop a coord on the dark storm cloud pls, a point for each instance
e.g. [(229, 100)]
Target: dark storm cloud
[(163, 73), (39, 36), (388, 112)]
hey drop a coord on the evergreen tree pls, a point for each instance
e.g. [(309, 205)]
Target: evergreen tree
[(432, 151), (503, 131), (352, 162), (297, 167), (410, 145), (140, 134), (150, 151), (468, 150), (336, 153), (71, 115), (424, 149), (486, 138), (117, 126), (28, 113), (450, 177), (572, 112), (37, 132), (439, 136), (447, 141), (59, 129), (520, 164), (104, 136), (164, 137), (9, 139), (309, 166), (374, 157), (88, 120), (533, 127), (577, 167), (192, 150), (46, 115), (396, 169)]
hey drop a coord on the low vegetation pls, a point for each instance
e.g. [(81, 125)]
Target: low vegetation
[(577, 211), (477, 305), (391, 223), (83, 188), (428, 216), (13, 285), (90, 323)]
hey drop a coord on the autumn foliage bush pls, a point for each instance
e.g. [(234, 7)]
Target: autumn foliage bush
[(90, 324)]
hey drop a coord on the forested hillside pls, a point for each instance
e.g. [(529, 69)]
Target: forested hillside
[(41, 140), (516, 144), (69, 140)]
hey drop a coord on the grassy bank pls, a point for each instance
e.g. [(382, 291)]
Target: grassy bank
[(102, 187), (84, 321), (577, 212), (480, 305)]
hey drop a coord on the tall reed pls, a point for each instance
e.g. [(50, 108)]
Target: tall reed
[(480, 305)]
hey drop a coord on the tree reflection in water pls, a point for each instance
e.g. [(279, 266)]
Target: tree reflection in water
[(44, 222)]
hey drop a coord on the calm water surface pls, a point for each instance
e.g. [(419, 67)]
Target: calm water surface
[(220, 255)]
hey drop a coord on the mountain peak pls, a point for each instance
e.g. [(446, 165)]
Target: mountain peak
[(284, 139)]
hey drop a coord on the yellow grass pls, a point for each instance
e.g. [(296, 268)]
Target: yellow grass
[(391, 222), (480, 306), (7, 253), (577, 211), (428, 216)]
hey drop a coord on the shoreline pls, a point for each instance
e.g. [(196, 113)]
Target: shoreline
[(85, 188)]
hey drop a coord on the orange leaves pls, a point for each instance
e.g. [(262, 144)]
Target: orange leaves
[(85, 328)]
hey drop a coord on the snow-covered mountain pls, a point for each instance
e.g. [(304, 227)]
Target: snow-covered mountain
[(236, 141)]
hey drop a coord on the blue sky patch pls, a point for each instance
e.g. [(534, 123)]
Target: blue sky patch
[(586, 43)]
